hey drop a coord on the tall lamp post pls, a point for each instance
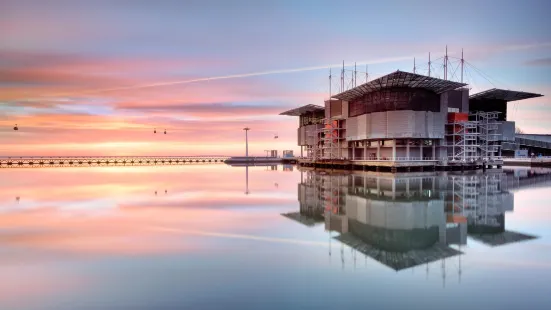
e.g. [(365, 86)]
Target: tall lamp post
[(246, 141)]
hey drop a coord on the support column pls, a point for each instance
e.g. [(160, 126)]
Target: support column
[(353, 150), (378, 149), (421, 141), (394, 149), (407, 148), (433, 149), (301, 148), (393, 189), (365, 150)]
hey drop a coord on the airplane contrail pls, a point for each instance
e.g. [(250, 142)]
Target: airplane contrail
[(233, 76), (237, 236)]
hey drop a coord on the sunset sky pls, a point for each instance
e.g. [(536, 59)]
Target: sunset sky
[(96, 77)]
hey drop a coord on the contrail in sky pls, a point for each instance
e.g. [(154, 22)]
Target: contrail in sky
[(233, 76), (238, 236)]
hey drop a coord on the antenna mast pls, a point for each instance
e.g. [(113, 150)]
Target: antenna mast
[(429, 63), (414, 65), (355, 75), (329, 83), (446, 64), (342, 77), (462, 62), (366, 74)]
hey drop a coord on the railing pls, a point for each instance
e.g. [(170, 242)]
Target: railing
[(68, 161), (395, 159)]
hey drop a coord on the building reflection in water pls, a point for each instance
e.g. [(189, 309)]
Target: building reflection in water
[(409, 219)]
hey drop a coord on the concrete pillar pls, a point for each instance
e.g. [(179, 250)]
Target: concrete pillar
[(421, 148), (393, 149), (378, 149), (433, 149), (407, 148), (393, 189), (353, 150), (365, 150), (301, 148)]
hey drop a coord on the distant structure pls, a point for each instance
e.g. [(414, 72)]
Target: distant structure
[(404, 121)]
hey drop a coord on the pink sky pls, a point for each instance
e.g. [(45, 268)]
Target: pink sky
[(71, 75)]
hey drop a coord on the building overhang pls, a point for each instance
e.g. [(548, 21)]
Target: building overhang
[(309, 108), (503, 94), (400, 79)]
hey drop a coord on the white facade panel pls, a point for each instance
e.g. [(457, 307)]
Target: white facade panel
[(438, 125), (352, 129), (420, 128), (400, 124), (345, 109), (363, 126), (378, 125)]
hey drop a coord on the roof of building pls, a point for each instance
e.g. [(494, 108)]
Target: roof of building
[(502, 94), (303, 110), (502, 238), (304, 219), (399, 260), (400, 79)]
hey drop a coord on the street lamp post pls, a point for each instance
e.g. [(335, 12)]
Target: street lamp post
[(246, 141)]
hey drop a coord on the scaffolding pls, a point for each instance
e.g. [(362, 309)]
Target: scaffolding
[(464, 193), (461, 140), (489, 145), (314, 146), (333, 134)]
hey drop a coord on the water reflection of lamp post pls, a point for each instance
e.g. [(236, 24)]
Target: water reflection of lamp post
[(247, 180), (246, 141)]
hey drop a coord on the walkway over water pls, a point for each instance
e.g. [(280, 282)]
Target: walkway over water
[(71, 161)]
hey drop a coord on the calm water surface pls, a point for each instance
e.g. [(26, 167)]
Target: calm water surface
[(220, 237)]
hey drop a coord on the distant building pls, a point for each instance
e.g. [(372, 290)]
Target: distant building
[(407, 118)]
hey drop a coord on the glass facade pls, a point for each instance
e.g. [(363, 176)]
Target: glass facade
[(393, 99)]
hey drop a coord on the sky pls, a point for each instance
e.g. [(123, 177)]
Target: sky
[(97, 77)]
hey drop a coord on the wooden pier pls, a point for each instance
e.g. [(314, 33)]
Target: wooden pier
[(90, 161)]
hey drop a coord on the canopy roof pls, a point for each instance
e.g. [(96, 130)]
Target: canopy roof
[(502, 94), (303, 110), (400, 79)]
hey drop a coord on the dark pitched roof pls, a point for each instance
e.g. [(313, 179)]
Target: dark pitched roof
[(303, 110), (503, 94), (400, 79)]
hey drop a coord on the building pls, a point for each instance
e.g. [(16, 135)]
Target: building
[(405, 120)]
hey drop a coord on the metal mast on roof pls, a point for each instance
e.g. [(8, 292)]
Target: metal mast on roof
[(342, 77), (329, 83), (462, 62), (366, 74), (446, 64), (355, 75), (414, 65), (429, 63)]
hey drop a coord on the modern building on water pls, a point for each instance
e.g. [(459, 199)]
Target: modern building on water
[(405, 120)]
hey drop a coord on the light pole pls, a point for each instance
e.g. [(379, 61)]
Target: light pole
[(246, 141)]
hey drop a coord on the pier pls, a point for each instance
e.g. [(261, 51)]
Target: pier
[(397, 164), (73, 161)]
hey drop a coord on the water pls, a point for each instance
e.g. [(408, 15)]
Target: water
[(220, 237)]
